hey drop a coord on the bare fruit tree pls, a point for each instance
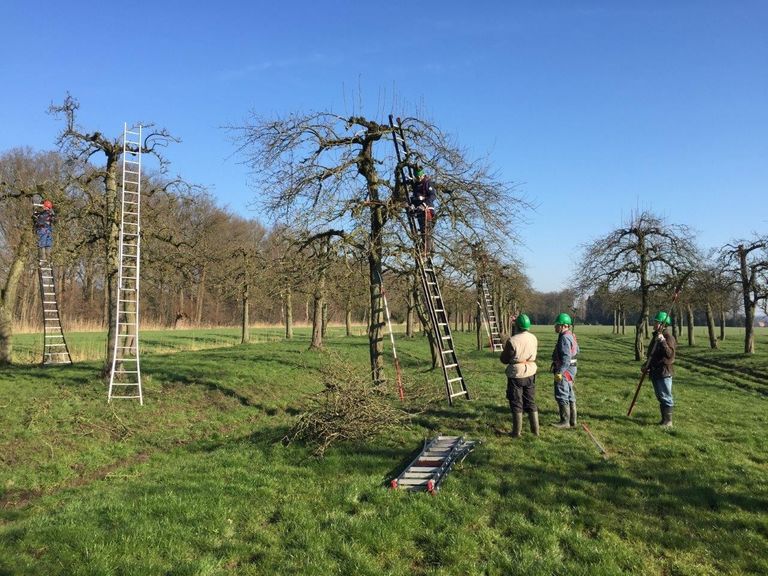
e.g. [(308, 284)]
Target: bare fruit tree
[(24, 175), (747, 262), (644, 255), (321, 171), (80, 147)]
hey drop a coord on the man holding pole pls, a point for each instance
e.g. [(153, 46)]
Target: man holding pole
[(661, 357)]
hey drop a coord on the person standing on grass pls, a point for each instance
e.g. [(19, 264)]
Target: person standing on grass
[(520, 354), (661, 357), (564, 370)]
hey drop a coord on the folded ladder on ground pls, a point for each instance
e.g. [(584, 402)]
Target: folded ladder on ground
[(428, 469)]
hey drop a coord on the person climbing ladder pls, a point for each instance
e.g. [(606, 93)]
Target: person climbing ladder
[(43, 221)]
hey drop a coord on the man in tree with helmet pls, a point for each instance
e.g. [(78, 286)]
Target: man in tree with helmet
[(520, 354), (661, 357), (564, 370), (43, 221)]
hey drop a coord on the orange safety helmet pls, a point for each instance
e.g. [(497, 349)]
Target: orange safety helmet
[(47, 204)]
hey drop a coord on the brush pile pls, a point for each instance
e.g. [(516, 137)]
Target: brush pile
[(349, 409)]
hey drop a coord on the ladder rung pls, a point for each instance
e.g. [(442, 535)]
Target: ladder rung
[(452, 380), (447, 366)]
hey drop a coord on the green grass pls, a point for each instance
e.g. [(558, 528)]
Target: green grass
[(196, 481)]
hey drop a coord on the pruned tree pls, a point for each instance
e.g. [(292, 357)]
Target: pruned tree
[(24, 175), (747, 262), (644, 255), (323, 171), (80, 147)]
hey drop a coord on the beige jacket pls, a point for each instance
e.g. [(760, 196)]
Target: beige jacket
[(520, 353)]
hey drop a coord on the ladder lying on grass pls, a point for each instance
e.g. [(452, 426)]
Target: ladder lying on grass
[(489, 313), (454, 380), (430, 467)]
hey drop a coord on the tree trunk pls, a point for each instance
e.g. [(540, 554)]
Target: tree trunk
[(245, 328), (200, 297), (749, 305), (111, 256), (288, 306), (325, 319), (318, 300), (711, 326), (691, 326), (411, 306), (478, 327), (722, 324), (348, 318), (455, 317), (675, 323), (623, 321), (8, 300), (376, 326)]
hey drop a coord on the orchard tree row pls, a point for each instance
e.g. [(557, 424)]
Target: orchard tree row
[(336, 241)]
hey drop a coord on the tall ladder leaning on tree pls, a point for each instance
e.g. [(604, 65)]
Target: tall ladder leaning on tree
[(455, 385), (489, 315), (125, 375), (55, 349)]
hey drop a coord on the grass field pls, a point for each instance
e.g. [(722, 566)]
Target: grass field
[(197, 482)]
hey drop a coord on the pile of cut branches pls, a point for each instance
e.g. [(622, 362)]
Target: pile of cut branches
[(349, 408)]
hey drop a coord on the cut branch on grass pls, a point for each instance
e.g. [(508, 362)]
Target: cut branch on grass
[(349, 409)]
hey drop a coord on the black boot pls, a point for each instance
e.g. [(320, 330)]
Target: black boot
[(666, 416), (533, 418), (517, 424), (573, 415), (565, 417)]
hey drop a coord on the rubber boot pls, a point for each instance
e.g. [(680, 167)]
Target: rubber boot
[(573, 415), (666, 416), (533, 418), (565, 417), (517, 424)]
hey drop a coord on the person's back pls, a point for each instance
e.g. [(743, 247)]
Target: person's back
[(520, 353)]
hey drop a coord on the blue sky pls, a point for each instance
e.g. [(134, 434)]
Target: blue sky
[(597, 109)]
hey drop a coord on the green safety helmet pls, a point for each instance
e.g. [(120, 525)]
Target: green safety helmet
[(523, 322), (662, 318), (563, 319), (419, 172)]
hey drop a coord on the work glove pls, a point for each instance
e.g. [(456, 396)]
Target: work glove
[(660, 337), (558, 378)]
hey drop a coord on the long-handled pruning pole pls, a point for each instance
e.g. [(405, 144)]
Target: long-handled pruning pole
[(592, 437), (652, 347), (398, 371)]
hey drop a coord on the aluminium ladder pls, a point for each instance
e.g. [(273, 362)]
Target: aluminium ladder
[(125, 375), (427, 471), (489, 314), (55, 349), (455, 384)]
